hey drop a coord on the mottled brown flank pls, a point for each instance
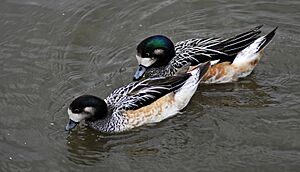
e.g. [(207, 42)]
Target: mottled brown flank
[(222, 69), (254, 62), (141, 115), (248, 66), (218, 71)]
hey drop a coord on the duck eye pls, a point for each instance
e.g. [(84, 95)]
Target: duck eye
[(147, 54), (76, 110)]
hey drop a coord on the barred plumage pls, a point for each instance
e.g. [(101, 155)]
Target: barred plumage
[(172, 59), (135, 104)]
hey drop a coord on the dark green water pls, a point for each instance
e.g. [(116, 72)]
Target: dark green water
[(52, 51)]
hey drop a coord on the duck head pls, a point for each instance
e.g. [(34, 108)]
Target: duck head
[(154, 51), (86, 107)]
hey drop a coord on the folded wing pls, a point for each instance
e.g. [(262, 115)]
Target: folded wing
[(140, 94)]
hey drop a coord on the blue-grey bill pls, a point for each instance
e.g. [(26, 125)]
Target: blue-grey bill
[(139, 73), (71, 124)]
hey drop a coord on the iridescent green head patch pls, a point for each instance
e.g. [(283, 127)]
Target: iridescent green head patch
[(154, 42), (159, 41)]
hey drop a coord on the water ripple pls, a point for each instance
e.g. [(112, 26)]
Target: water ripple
[(51, 52)]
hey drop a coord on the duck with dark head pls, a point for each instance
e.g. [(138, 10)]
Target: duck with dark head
[(230, 58)]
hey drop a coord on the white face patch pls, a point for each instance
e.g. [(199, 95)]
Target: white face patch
[(76, 117), (145, 61), (89, 110), (158, 51)]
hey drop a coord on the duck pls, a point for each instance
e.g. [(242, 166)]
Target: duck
[(230, 59), (137, 103)]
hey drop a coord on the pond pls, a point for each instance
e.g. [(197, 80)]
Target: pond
[(52, 51)]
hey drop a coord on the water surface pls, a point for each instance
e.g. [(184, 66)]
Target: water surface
[(52, 51)]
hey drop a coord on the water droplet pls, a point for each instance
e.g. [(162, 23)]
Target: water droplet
[(122, 69), (52, 123), (63, 14), (10, 158), (140, 25)]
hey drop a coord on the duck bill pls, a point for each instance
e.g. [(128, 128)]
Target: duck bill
[(139, 73), (71, 124)]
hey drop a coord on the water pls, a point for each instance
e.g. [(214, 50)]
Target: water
[(52, 51)]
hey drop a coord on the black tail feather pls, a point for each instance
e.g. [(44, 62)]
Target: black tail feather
[(246, 35), (268, 39), (234, 45)]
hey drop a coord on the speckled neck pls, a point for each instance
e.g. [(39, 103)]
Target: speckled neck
[(115, 122)]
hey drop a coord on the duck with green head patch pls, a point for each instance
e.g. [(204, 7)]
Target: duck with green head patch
[(154, 51), (230, 58)]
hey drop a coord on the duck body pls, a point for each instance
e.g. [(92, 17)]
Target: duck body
[(230, 59), (149, 101)]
